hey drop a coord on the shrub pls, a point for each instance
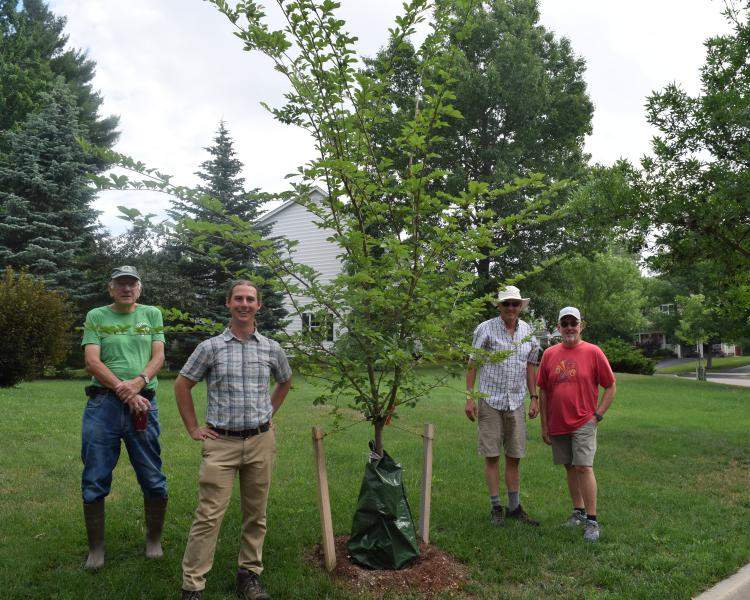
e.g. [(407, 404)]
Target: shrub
[(36, 327), (624, 358)]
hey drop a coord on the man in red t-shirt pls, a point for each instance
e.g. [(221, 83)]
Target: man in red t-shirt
[(569, 378)]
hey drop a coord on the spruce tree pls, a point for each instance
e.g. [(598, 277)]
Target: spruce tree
[(209, 276), (47, 223), (33, 58)]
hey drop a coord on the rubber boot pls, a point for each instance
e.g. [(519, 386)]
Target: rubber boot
[(154, 509), (93, 514)]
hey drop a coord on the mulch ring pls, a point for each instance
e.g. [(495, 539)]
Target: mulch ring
[(433, 572)]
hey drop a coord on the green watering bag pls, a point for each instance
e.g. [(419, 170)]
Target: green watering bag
[(383, 532)]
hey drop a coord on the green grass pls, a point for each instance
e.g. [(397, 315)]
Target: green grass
[(720, 365), (672, 467)]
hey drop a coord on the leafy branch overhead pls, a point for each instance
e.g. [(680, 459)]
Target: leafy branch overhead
[(404, 294)]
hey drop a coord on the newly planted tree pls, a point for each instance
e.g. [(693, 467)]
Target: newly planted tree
[(403, 296)]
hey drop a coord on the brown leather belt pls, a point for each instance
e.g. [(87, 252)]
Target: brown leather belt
[(243, 433)]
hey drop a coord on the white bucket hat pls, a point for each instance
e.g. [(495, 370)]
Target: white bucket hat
[(510, 292)]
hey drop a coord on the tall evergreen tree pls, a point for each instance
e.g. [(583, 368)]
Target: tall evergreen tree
[(222, 181), (33, 57), (46, 220)]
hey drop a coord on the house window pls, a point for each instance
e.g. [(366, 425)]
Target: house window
[(667, 309), (321, 328)]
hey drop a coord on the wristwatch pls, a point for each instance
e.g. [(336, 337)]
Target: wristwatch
[(145, 378), (598, 417)]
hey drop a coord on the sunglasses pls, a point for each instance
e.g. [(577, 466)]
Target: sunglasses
[(568, 322), (513, 303)]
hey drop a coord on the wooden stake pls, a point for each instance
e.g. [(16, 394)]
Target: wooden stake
[(424, 506), (324, 500)]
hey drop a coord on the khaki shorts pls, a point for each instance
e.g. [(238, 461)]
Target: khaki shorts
[(501, 429), (577, 448)]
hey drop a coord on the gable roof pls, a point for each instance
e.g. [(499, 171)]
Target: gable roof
[(273, 214)]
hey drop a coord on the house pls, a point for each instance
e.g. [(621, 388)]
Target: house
[(294, 222), (653, 341)]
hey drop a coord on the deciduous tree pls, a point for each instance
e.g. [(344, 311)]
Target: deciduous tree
[(696, 188)]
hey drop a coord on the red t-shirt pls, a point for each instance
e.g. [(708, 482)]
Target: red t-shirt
[(571, 378)]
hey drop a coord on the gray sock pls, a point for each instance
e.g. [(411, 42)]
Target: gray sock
[(495, 501), (513, 501)]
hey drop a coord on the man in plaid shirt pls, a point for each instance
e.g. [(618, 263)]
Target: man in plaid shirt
[(500, 409), (238, 438)]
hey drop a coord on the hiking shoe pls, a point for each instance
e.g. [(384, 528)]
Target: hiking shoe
[(496, 516), (591, 533), (575, 520), (249, 586), (192, 594), (521, 515)]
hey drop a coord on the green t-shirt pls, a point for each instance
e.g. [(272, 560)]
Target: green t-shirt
[(125, 339)]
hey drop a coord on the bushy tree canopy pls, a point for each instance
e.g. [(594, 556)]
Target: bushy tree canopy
[(524, 110), (696, 187)]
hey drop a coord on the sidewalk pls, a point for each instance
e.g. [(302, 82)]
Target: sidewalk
[(736, 587), (736, 379)]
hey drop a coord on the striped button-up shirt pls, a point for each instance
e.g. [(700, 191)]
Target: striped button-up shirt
[(237, 377), (504, 384)]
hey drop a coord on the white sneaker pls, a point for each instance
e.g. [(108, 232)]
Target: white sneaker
[(591, 533), (576, 519)]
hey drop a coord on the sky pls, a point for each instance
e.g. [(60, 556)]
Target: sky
[(172, 69)]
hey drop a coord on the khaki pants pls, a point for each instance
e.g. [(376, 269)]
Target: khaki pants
[(223, 458)]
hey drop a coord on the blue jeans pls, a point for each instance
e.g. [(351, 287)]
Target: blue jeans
[(106, 421)]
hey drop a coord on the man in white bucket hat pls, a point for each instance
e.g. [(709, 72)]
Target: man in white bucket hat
[(499, 412)]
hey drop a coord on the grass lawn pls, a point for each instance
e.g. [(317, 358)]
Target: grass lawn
[(720, 365), (673, 470)]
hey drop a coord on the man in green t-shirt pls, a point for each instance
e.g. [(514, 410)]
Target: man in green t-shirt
[(124, 350)]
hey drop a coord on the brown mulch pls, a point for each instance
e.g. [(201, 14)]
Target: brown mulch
[(433, 572)]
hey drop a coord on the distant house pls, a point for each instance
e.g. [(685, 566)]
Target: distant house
[(657, 340), (294, 222)]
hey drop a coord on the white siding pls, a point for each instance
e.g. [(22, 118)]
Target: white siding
[(294, 222)]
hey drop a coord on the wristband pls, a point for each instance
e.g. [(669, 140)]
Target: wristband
[(534, 397), (598, 417)]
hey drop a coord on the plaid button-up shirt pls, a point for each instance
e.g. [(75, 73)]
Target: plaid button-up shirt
[(237, 377), (504, 384)]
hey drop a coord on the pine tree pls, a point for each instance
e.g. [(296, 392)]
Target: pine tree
[(209, 276), (46, 221), (33, 58)]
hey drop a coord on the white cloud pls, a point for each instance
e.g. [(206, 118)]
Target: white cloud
[(172, 69)]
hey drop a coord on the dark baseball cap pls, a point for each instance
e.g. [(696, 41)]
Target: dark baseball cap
[(125, 271)]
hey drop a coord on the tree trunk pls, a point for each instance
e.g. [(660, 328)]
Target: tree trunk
[(379, 423), (701, 371), (709, 357)]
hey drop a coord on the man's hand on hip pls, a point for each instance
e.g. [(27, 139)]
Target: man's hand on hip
[(471, 409), (202, 433)]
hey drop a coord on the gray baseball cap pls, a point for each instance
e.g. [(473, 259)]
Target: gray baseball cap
[(125, 271)]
